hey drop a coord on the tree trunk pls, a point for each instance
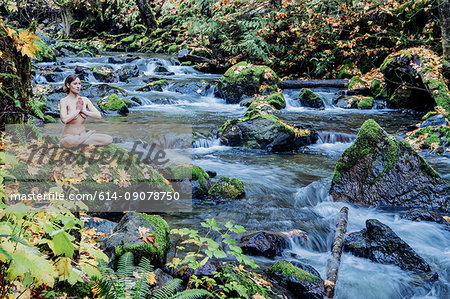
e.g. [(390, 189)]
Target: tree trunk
[(67, 19), (444, 12), (147, 14), (336, 252)]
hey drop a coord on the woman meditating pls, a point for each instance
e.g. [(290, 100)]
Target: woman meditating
[(73, 112)]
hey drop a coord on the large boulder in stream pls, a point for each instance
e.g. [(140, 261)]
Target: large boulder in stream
[(414, 80), (377, 170), (260, 129), (269, 243), (380, 244), (245, 79)]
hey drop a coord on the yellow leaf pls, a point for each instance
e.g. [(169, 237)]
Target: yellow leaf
[(63, 266), (151, 278)]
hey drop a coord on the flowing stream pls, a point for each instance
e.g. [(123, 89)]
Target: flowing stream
[(284, 191)]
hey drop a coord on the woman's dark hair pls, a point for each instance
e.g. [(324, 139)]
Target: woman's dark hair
[(68, 81)]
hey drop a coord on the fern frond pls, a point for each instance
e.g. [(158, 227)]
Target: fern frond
[(167, 290), (192, 294)]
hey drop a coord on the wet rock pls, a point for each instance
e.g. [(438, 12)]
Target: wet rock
[(114, 103), (436, 120), (127, 71), (201, 88), (54, 77), (125, 238), (163, 71), (265, 131), (267, 243), (377, 170), (104, 74), (195, 174), (300, 282), (308, 98), (99, 224), (227, 188), (162, 277), (418, 214), (380, 244), (103, 89), (154, 86), (414, 81), (82, 73), (246, 80)]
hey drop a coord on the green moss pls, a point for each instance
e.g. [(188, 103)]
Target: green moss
[(308, 98), (366, 103), (400, 98), (113, 103), (173, 49), (433, 134), (128, 39), (439, 91), (366, 143), (287, 269), (100, 70), (139, 29), (161, 230), (45, 53), (161, 83), (354, 80), (200, 175), (227, 188)]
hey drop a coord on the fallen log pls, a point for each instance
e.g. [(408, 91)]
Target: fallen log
[(336, 83), (336, 252)]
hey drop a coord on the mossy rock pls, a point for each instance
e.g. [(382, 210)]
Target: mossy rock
[(104, 74), (308, 98), (139, 29), (245, 79), (173, 49), (355, 81), (155, 86), (414, 80), (378, 170), (126, 238), (193, 173), (366, 103), (45, 53), (298, 281), (276, 100), (114, 103), (435, 138), (227, 188)]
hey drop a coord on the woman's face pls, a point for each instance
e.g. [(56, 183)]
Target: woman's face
[(75, 86)]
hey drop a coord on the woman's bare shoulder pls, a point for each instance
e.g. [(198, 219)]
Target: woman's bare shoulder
[(63, 99)]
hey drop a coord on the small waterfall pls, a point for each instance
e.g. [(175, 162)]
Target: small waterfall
[(333, 137), (206, 143)]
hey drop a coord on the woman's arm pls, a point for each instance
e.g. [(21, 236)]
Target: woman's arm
[(92, 112), (65, 116)]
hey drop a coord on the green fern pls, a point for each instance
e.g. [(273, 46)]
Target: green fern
[(168, 291)]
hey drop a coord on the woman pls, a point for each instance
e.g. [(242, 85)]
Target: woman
[(73, 112)]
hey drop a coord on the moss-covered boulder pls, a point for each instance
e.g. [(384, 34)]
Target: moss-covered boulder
[(227, 188), (198, 176), (308, 98), (142, 234), (276, 100), (114, 103), (304, 283), (155, 86), (45, 53), (378, 170), (365, 103), (104, 74), (245, 79), (414, 80), (260, 129)]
